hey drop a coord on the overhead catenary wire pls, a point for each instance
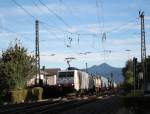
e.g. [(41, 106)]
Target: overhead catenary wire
[(78, 34), (116, 28), (47, 28), (62, 20), (59, 29), (71, 11), (34, 18), (54, 13), (98, 15), (13, 32), (120, 26), (14, 1), (41, 10)]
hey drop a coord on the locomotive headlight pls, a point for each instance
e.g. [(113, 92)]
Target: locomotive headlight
[(59, 85), (72, 84)]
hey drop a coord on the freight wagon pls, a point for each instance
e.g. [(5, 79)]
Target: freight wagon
[(80, 81)]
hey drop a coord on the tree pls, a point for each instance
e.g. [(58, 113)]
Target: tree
[(16, 66), (127, 72)]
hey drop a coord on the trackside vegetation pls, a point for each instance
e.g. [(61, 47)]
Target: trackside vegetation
[(16, 67)]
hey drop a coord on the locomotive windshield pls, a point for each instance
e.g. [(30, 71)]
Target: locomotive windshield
[(66, 74)]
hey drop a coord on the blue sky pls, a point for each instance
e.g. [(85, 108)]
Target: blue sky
[(85, 23)]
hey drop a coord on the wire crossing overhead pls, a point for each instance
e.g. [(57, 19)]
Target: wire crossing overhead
[(51, 11), (14, 1), (70, 36)]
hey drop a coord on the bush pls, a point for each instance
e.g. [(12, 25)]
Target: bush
[(24, 95), (135, 93), (37, 93), (1, 99), (18, 96)]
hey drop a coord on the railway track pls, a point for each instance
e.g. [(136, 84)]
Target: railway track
[(48, 107), (8, 109)]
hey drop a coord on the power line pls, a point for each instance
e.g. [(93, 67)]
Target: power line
[(119, 27), (26, 11), (78, 34), (36, 5), (102, 10), (98, 14), (49, 18), (69, 9), (46, 27), (51, 11), (11, 31), (14, 1), (53, 22)]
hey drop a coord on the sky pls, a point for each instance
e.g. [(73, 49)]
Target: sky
[(75, 28)]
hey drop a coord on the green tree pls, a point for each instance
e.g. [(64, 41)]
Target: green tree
[(16, 66), (127, 72)]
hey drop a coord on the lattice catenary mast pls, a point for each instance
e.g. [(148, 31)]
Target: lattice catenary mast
[(143, 49), (37, 51)]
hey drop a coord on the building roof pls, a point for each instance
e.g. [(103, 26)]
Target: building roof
[(52, 71)]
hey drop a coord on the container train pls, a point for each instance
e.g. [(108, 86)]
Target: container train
[(82, 82)]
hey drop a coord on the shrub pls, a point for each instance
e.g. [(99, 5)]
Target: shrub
[(18, 96), (24, 95), (1, 99), (135, 93), (37, 93)]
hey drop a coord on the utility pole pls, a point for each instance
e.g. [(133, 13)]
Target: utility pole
[(143, 50), (111, 79), (86, 67), (37, 51), (135, 72)]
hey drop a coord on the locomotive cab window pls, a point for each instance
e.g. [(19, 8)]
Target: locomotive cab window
[(66, 74)]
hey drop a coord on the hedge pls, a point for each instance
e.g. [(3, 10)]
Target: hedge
[(37, 93), (18, 96), (1, 99), (25, 95)]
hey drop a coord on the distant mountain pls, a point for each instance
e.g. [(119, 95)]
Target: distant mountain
[(106, 70)]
